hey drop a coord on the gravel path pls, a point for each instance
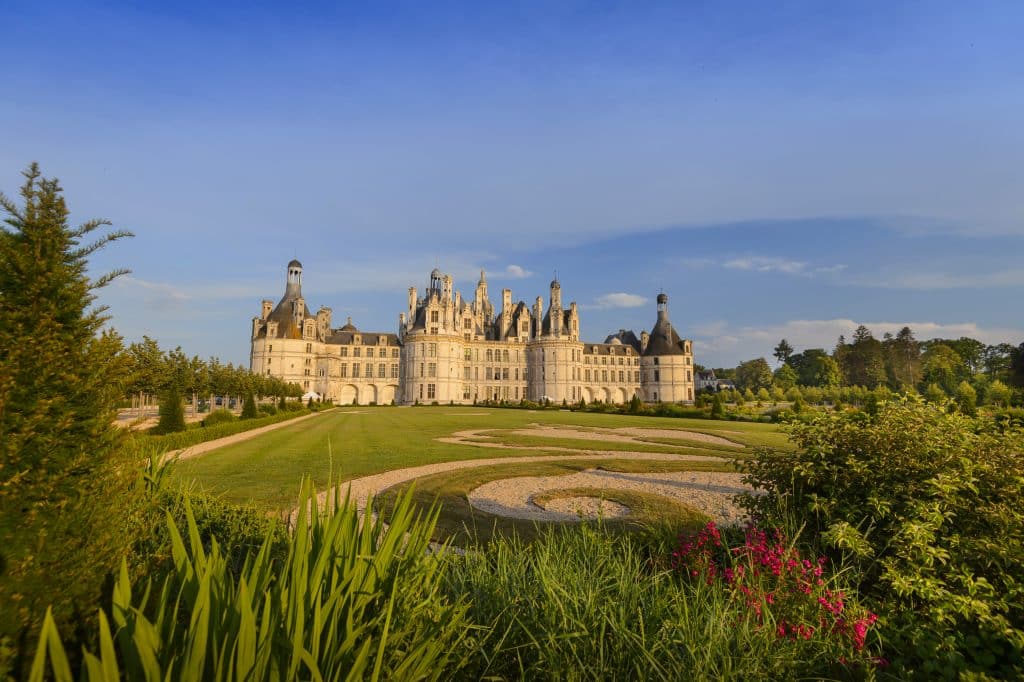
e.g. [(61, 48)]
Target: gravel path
[(710, 492), (359, 489)]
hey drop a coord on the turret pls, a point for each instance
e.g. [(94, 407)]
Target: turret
[(294, 287), (555, 311)]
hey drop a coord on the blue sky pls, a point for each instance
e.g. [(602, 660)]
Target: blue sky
[(779, 169)]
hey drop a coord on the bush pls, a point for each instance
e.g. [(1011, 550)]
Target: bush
[(267, 409), (249, 406), (221, 416), (172, 412), (63, 479), (331, 609), (928, 506)]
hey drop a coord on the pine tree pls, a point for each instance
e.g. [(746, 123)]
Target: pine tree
[(172, 412), (61, 377), (249, 406)]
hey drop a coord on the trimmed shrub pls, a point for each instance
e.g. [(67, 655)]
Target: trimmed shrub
[(249, 406), (220, 416)]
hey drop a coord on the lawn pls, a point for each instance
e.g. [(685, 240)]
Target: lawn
[(347, 443)]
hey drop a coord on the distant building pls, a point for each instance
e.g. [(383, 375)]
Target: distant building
[(452, 350), (707, 381)]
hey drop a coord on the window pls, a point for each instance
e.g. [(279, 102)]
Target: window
[(421, 391), (355, 370), (604, 375), (504, 356), (306, 372), (620, 361), (467, 354), (466, 374), (488, 374), (344, 370), (432, 369), (431, 392), (309, 361), (586, 375), (268, 372), (526, 327), (476, 373), (656, 361), (344, 351), (369, 352), (321, 372), (268, 361), (636, 376), (621, 379), (357, 352), (490, 355), (421, 369), (504, 373), (465, 392), (433, 330), (432, 350), (466, 338), (394, 352), (382, 371), (394, 371), (517, 374), (433, 316), (657, 375), (369, 370), (467, 323), (270, 348)]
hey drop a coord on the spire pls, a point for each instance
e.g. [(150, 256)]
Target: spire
[(483, 277)]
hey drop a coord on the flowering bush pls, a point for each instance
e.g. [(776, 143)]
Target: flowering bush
[(778, 588), (926, 506)]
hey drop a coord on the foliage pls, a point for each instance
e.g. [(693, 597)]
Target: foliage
[(778, 589), (927, 503), (717, 407), (60, 381), (222, 416), (172, 412), (581, 604), (966, 399), (249, 406), (753, 374), (354, 598)]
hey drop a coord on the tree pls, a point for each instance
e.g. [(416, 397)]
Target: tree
[(634, 404), (935, 394), (249, 406), (717, 407), (966, 399), (783, 351), (863, 362), (904, 359), (1016, 372), (785, 377), (172, 413), (754, 374), (61, 378), (943, 366), (999, 394)]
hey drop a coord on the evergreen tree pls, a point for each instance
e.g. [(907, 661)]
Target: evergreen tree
[(61, 378), (249, 406), (717, 407), (783, 351), (172, 412), (634, 404), (282, 404)]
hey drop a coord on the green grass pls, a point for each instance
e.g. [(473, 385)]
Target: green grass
[(342, 444)]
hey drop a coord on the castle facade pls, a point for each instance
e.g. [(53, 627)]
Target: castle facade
[(451, 350)]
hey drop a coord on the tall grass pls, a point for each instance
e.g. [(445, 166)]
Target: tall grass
[(355, 598), (584, 605)]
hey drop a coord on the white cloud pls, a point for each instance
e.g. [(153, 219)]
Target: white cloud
[(516, 272), (619, 300), (767, 264)]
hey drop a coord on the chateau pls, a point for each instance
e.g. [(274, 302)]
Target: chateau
[(450, 350)]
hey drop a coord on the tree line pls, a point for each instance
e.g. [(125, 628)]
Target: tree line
[(152, 371), (936, 368)]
